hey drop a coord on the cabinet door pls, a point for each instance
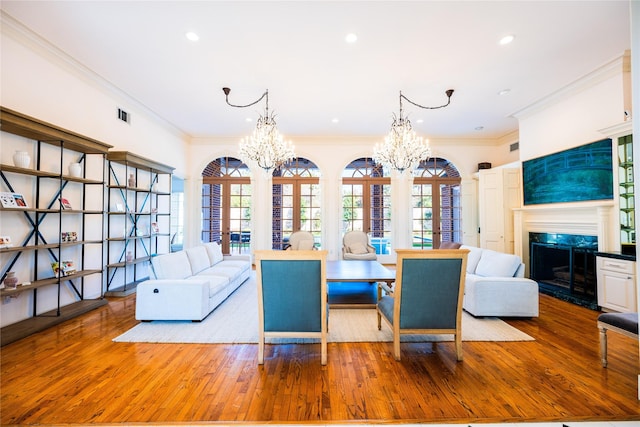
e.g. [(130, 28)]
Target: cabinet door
[(499, 193), (617, 291), (491, 207)]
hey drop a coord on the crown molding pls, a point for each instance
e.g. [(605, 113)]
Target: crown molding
[(610, 69), (14, 29)]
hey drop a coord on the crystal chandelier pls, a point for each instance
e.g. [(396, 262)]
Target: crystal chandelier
[(265, 146), (402, 148)]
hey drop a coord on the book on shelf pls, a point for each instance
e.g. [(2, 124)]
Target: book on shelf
[(12, 200), (63, 268), (65, 203), (69, 236)]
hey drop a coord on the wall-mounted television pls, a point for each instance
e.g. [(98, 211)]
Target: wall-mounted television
[(578, 174)]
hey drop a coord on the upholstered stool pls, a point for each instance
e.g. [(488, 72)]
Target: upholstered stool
[(622, 323)]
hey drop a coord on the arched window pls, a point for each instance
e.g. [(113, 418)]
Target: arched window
[(226, 205), (436, 214), (366, 201), (296, 201)]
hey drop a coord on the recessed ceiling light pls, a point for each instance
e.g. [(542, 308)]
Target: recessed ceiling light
[(504, 91), (192, 36), (507, 39), (351, 38), (335, 120), (248, 119), (419, 121)]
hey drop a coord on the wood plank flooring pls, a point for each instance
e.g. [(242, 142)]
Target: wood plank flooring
[(74, 374)]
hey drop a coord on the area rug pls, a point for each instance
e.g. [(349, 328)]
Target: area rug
[(235, 321)]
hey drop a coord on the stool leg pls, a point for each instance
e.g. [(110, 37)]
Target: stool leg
[(603, 347)]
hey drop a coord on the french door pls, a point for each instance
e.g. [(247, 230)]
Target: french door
[(435, 205), (296, 201), (366, 202), (226, 205)]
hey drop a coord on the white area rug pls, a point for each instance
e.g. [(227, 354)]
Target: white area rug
[(236, 321)]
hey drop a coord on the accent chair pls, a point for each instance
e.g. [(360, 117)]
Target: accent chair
[(300, 241), (355, 245), (427, 295), (292, 297)]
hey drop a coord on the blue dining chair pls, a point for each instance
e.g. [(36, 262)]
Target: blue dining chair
[(292, 297), (427, 295)]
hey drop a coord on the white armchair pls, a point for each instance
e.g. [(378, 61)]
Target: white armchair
[(355, 245)]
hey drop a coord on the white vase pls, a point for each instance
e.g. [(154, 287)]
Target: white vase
[(21, 159), (75, 169)]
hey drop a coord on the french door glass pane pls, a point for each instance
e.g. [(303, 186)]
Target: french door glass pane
[(422, 213)]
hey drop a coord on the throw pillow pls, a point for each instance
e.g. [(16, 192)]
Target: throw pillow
[(497, 264), (198, 259), (214, 250), (305, 245), (358, 249), (472, 258)]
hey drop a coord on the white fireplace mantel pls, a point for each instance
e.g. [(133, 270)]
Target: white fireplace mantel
[(587, 218)]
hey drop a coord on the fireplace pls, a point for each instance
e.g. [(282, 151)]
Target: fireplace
[(564, 265)]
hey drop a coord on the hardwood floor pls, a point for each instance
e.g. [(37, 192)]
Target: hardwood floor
[(74, 373)]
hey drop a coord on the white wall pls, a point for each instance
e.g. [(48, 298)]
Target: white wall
[(573, 115), (42, 82)]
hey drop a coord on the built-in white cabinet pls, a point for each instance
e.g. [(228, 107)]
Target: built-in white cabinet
[(499, 192), (616, 284)]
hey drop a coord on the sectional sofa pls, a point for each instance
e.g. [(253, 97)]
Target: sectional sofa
[(495, 285), (190, 284)]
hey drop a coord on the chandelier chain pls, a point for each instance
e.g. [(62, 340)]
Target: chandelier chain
[(449, 93), (266, 146), (402, 149)]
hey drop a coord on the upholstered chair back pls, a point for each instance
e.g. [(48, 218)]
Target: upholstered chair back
[(427, 295), (301, 241), (292, 296)]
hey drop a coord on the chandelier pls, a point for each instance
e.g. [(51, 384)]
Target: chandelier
[(402, 148), (266, 146)]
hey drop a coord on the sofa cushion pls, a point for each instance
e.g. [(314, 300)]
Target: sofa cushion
[(472, 258), (171, 266), (215, 253), (198, 259), (358, 248), (216, 283), (231, 272), (497, 264)]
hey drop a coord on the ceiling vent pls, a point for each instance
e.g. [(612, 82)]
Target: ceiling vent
[(515, 146), (124, 116)]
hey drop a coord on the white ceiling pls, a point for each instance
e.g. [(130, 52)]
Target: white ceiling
[(297, 51)]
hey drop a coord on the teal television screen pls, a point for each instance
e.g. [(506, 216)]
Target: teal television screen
[(578, 174)]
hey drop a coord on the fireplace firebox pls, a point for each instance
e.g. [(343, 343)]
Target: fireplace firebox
[(564, 265)]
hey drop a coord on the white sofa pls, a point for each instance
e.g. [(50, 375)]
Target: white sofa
[(495, 285), (189, 284)]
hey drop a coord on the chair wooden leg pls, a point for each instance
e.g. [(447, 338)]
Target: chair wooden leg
[(379, 321), (323, 351), (603, 347), (396, 345), (261, 350), (458, 340)]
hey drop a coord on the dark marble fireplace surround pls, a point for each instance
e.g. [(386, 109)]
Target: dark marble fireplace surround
[(564, 265)]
